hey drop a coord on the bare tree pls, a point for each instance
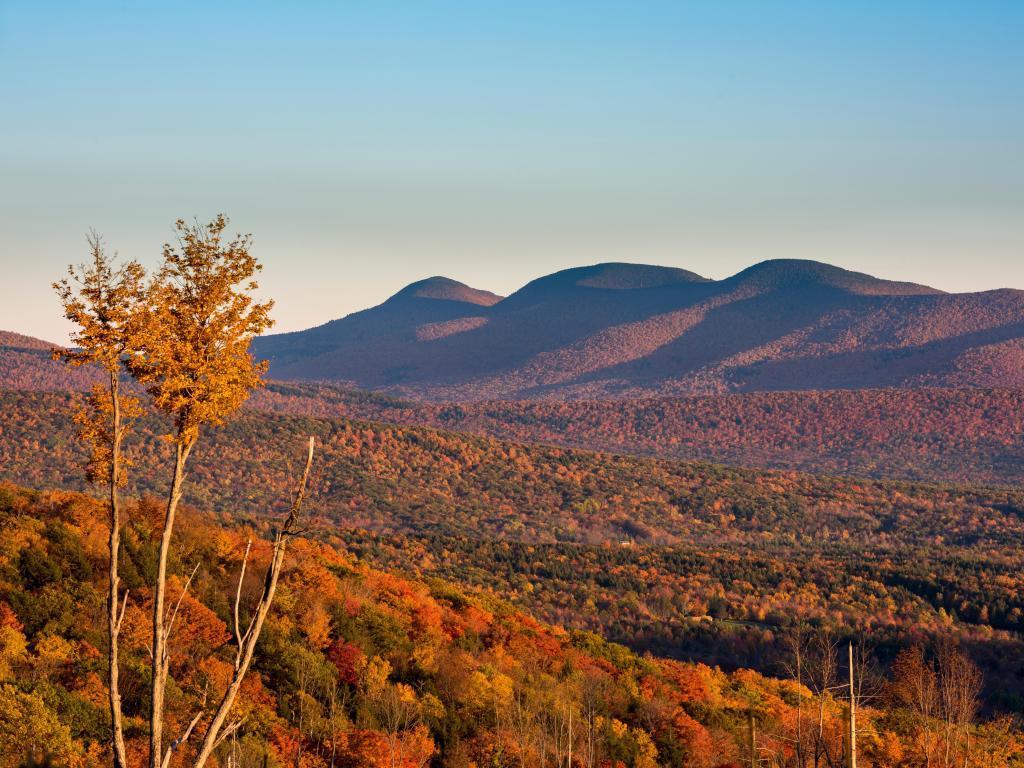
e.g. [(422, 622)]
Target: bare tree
[(941, 693), (820, 665), (796, 643), (959, 688), (851, 739), (336, 714), (522, 722), (864, 683), (595, 697), (915, 686), (398, 712)]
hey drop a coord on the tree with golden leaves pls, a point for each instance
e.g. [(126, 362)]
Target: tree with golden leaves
[(193, 358), (104, 301), (185, 337)]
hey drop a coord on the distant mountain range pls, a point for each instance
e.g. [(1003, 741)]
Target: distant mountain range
[(627, 330), (939, 434)]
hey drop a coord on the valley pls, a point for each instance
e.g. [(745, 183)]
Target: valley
[(689, 560)]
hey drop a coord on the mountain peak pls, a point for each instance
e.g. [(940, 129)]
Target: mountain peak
[(621, 276), (802, 273), (614, 276), (445, 289), (623, 330)]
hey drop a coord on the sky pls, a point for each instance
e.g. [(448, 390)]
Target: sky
[(367, 144)]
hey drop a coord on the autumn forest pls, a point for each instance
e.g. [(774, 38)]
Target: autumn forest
[(202, 565)]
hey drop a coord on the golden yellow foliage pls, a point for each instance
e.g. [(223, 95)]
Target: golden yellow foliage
[(29, 728), (105, 303), (193, 354)]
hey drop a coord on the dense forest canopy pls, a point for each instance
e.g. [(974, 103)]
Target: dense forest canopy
[(959, 435), (694, 561), (361, 668)]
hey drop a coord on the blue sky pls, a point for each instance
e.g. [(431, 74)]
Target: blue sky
[(369, 144)]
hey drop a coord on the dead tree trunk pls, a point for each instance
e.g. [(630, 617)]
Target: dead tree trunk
[(246, 641), (115, 608), (751, 738)]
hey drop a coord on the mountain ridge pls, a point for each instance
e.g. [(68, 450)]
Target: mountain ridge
[(629, 330), (624, 331)]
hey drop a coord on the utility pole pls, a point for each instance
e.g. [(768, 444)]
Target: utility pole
[(853, 715)]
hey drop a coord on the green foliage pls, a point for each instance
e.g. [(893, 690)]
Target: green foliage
[(37, 569), (28, 727), (8, 499)]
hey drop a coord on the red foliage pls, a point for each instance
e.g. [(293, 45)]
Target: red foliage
[(345, 657)]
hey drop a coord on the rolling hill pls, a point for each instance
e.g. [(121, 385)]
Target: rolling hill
[(963, 435), (940, 434), (26, 363), (628, 330)]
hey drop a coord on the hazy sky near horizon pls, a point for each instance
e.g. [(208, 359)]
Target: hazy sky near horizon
[(369, 144)]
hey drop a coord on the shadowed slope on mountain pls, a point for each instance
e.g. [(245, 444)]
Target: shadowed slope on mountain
[(632, 329), (425, 302), (417, 339)]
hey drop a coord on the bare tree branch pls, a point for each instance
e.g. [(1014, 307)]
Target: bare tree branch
[(216, 731), (174, 614), (238, 592)]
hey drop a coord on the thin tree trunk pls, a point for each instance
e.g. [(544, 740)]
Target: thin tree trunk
[(160, 655), (114, 611), (302, 703), (247, 640), (242, 664), (853, 714), (799, 705), (819, 743), (570, 736), (334, 721)]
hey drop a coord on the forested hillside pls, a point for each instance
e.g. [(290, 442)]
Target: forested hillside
[(963, 435), (357, 668), (692, 560), (943, 435)]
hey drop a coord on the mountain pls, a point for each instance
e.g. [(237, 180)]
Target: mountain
[(445, 289), (419, 312), (11, 340), (815, 277), (944, 434), (27, 363), (626, 330)]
